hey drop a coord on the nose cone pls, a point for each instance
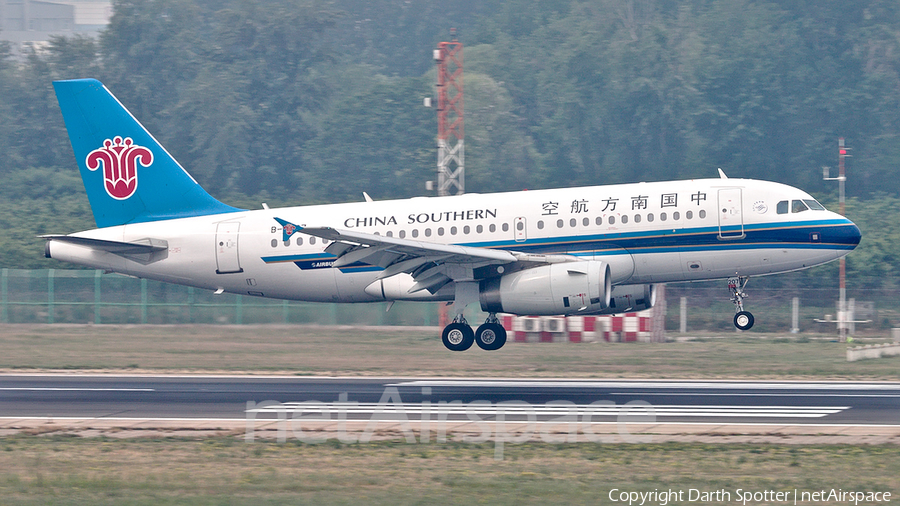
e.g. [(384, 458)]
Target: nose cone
[(855, 235), (847, 235)]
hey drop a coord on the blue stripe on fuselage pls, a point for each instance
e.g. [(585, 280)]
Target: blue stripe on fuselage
[(832, 234)]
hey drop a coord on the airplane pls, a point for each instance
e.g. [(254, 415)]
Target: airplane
[(567, 251)]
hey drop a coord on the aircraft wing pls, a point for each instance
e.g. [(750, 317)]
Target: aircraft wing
[(432, 265)]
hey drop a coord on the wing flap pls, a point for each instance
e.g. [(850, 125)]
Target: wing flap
[(408, 247), (432, 265)]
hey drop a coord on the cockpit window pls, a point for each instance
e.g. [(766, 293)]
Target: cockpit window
[(814, 205), (798, 206)]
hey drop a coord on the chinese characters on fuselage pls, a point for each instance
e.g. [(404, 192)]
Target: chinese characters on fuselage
[(608, 205)]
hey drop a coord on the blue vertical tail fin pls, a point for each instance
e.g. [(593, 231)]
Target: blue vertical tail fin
[(129, 177)]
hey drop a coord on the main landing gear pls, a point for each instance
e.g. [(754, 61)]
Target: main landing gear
[(459, 336), (743, 320)]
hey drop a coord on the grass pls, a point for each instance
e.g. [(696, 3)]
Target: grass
[(222, 470), (313, 350)]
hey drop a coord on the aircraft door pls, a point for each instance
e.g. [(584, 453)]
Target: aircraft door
[(731, 220), (520, 229), (227, 260)]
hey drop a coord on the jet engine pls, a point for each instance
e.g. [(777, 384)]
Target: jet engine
[(557, 289), (629, 299)]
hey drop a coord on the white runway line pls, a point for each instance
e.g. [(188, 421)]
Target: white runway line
[(521, 409), (644, 384), (62, 389)]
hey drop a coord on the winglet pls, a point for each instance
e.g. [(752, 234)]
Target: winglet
[(722, 174), (288, 228)]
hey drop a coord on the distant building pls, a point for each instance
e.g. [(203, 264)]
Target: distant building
[(32, 22)]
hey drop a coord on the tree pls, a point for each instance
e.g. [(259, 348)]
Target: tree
[(380, 141)]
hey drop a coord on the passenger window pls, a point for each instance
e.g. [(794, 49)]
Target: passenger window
[(612, 220), (797, 206), (287, 243), (402, 234), (689, 215), (467, 229), (573, 223), (492, 228), (559, 223), (312, 240), (637, 218), (662, 216), (586, 221), (506, 227), (702, 214), (274, 243), (676, 215), (599, 220), (782, 207), (479, 229), (624, 218), (299, 241), (540, 224), (650, 217), (415, 232)]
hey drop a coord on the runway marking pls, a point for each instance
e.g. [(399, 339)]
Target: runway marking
[(52, 419), (64, 389), (643, 384), (522, 409), (760, 394)]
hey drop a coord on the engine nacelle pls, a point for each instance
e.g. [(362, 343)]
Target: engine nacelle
[(556, 289), (630, 299)]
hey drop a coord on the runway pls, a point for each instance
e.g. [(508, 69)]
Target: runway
[(465, 404)]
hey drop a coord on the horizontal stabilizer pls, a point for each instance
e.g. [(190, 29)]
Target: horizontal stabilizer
[(144, 250), (119, 248)]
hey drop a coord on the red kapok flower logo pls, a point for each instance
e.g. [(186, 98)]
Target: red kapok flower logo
[(119, 159)]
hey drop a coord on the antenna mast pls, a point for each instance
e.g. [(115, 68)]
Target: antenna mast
[(451, 147)]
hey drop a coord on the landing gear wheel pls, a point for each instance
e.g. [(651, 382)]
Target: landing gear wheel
[(490, 336), (743, 320), (458, 336)]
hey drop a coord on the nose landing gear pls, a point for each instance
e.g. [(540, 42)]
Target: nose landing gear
[(743, 320)]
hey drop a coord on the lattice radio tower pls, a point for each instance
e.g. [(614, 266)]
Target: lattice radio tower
[(451, 146)]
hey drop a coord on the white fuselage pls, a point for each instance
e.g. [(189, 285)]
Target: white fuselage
[(647, 233)]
